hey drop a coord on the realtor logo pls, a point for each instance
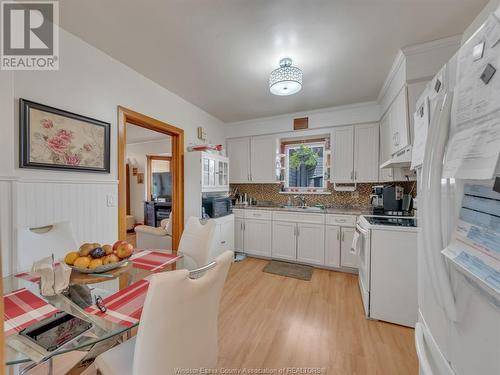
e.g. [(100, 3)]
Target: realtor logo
[(30, 35)]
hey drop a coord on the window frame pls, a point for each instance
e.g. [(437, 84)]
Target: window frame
[(287, 170)]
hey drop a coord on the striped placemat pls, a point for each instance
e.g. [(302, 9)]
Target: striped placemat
[(153, 260), (124, 307), (28, 276), (22, 308)]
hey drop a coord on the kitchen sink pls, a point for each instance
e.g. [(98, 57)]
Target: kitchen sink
[(303, 209)]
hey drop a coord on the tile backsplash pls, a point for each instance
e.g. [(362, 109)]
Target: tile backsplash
[(360, 197)]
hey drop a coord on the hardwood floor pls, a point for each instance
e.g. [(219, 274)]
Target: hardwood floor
[(270, 321)]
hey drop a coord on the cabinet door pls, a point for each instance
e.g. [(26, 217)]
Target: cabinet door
[(284, 241), (257, 237), (220, 173), (332, 246), (205, 173), (227, 235), (385, 174), (311, 243), (238, 151), (366, 144), (343, 154), (399, 122), (263, 159), (212, 177), (347, 259), (238, 235)]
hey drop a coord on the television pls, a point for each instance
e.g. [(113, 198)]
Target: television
[(162, 186)]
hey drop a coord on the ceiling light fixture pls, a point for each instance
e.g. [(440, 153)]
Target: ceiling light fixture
[(286, 80)]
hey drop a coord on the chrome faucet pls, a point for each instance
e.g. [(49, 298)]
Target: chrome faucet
[(302, 199)]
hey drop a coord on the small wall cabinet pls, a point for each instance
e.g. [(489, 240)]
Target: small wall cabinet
[(214, 172)]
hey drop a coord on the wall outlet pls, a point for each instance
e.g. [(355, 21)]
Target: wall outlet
[(110, 200), (355, 194)]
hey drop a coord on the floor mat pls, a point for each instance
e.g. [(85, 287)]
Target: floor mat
[(297, 271)]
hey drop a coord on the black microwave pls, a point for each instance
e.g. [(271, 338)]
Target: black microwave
[(217, 206)]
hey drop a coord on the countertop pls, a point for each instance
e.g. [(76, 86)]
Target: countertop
[(336, 210)]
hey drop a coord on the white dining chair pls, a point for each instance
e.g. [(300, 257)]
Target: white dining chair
[(178, 326), (40, 242), (198, 239)]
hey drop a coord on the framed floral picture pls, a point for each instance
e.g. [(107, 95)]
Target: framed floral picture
[(51, 138)]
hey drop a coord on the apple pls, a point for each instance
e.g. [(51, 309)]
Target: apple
[(112, 258), (124, 250), (118, 243)]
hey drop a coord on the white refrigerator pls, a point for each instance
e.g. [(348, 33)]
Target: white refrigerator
[(455, 153)]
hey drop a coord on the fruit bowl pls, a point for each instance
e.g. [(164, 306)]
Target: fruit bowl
[(103, 268)]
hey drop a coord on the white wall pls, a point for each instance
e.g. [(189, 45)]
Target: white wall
[(90, 83), (323, 118), (137, 153)]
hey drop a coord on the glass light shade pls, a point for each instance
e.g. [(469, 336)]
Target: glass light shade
[(286, 80)]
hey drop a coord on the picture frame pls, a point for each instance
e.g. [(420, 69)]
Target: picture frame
[(140, 178), (52, 138)]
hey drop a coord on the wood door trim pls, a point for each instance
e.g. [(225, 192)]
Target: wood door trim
[(127, 184), (125, 116), (148, 167)]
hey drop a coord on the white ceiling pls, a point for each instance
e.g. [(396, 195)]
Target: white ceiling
[(136, 134), (218, 54)]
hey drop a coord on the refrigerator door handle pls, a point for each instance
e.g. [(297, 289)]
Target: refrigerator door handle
[(431, 223)]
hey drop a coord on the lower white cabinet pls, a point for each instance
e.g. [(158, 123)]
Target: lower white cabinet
[(347, 259), (332, 246), (303, 242), (284, 240), (257, 237), (311, 243), (238, 234), (252, 232), (294, 237)]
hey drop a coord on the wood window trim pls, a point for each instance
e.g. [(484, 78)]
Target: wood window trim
[(150, 158), (129, 116)]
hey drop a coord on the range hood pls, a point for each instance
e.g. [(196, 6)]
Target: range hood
[(401, 159)]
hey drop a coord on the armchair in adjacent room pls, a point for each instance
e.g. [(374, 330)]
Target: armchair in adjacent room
[(155, 238)]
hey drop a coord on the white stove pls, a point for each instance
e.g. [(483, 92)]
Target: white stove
[(386, 248)]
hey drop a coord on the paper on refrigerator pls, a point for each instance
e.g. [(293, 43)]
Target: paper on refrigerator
[(474, 148), (475, 246)]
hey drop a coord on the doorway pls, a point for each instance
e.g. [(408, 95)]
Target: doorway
[(176, 166)]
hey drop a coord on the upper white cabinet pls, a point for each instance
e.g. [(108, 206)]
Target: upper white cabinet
[(355, 153), (263, 159), (238, 151), (399, 128), (253, 159), (366, 144), (343, 154)]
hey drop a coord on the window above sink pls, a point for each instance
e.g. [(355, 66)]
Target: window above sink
[(304, 165)]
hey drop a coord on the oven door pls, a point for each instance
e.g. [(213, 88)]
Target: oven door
[(363, 255)]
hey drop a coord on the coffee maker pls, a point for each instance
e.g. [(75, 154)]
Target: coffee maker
[(377, 199)]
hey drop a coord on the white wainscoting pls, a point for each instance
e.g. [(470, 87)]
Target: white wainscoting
[(34, 203)]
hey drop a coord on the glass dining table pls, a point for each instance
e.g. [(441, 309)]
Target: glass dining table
[(74, 300)]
